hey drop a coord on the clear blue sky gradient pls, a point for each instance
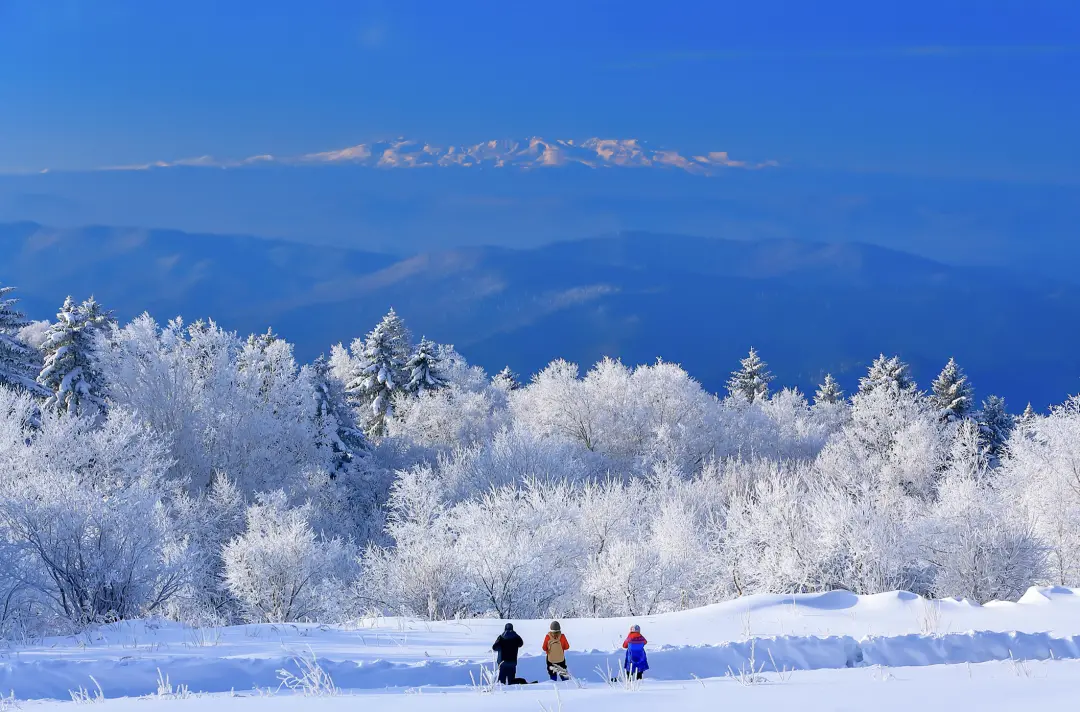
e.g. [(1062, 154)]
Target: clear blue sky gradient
[(975, 89)]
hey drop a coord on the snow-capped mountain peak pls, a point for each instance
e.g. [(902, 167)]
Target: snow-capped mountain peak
[(530, 153)]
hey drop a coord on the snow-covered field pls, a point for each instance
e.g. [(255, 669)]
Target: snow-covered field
[(985, 687), (842, 648)]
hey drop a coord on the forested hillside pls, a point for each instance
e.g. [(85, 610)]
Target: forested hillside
[(185, 471)]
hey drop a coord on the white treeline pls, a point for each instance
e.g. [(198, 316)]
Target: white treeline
[(179, 470)]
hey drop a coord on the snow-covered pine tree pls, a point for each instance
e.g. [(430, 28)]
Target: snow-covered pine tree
[(1027, 421), (265, 358), (995, 427), (829, 391), (335, 423), (890, 373), (19, 362), (751, 381), (423, 369), (951, 393), (69, 372), (506, 380), (383, 356)]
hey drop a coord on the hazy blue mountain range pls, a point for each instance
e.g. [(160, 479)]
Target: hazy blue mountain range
[(437, 207), (807, 307)]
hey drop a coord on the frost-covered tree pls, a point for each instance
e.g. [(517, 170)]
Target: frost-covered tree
[(865, 539), (1042, 476), (383, 355), (631, 417), (830, 410), (951, 394), (893, 443), (618, 491), (1028, 417), (335, 425), (70, 372), (891, 373), (751, 381), (451, 419), (349, 505), (423, 369), (769, 541), (995, 427), (224, 406), (83, 501), (515, 554), (980, 548), (200, 526), (280, 569), (422, 573), (19, 362), (506, 380), (829, 391)]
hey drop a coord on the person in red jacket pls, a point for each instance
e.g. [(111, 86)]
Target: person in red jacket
[(636, 662), (555, 646)]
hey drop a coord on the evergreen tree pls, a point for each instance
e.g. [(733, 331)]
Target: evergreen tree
[(261, 342), (266, 363), (829, 391), (18, 361), (995, 427), (1027, 421), (383, 357), (70, 373), (951, 394), (423, 369), (506, 380), (751, 381), (335, 422), (890, 373)]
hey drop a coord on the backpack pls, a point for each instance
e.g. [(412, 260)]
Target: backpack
[(555, 650)]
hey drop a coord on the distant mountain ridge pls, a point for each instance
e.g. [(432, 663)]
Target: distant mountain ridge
[(809, 308), (531, 153)]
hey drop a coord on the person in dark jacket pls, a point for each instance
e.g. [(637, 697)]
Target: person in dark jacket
[(507, 646)]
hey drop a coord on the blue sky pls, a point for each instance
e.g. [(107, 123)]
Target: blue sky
[(983, 89)]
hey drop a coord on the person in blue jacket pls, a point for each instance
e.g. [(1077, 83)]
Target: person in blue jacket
[(636, 662)]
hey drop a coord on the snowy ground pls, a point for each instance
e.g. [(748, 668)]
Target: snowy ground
[(946, 688), (849, 653)]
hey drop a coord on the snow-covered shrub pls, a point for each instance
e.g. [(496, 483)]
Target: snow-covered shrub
[(866, 540), (421, 573), (768, 541), (82, 504), (223, 405), (200, 526), (652, 571), (280, 569), (515, 551), (1041, 476), (980, 549), (449, 417), (893, 441)]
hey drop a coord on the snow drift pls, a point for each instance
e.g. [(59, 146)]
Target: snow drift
[(707, 642)]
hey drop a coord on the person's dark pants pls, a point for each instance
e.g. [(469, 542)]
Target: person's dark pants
[(558, 671), (507, 673)]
